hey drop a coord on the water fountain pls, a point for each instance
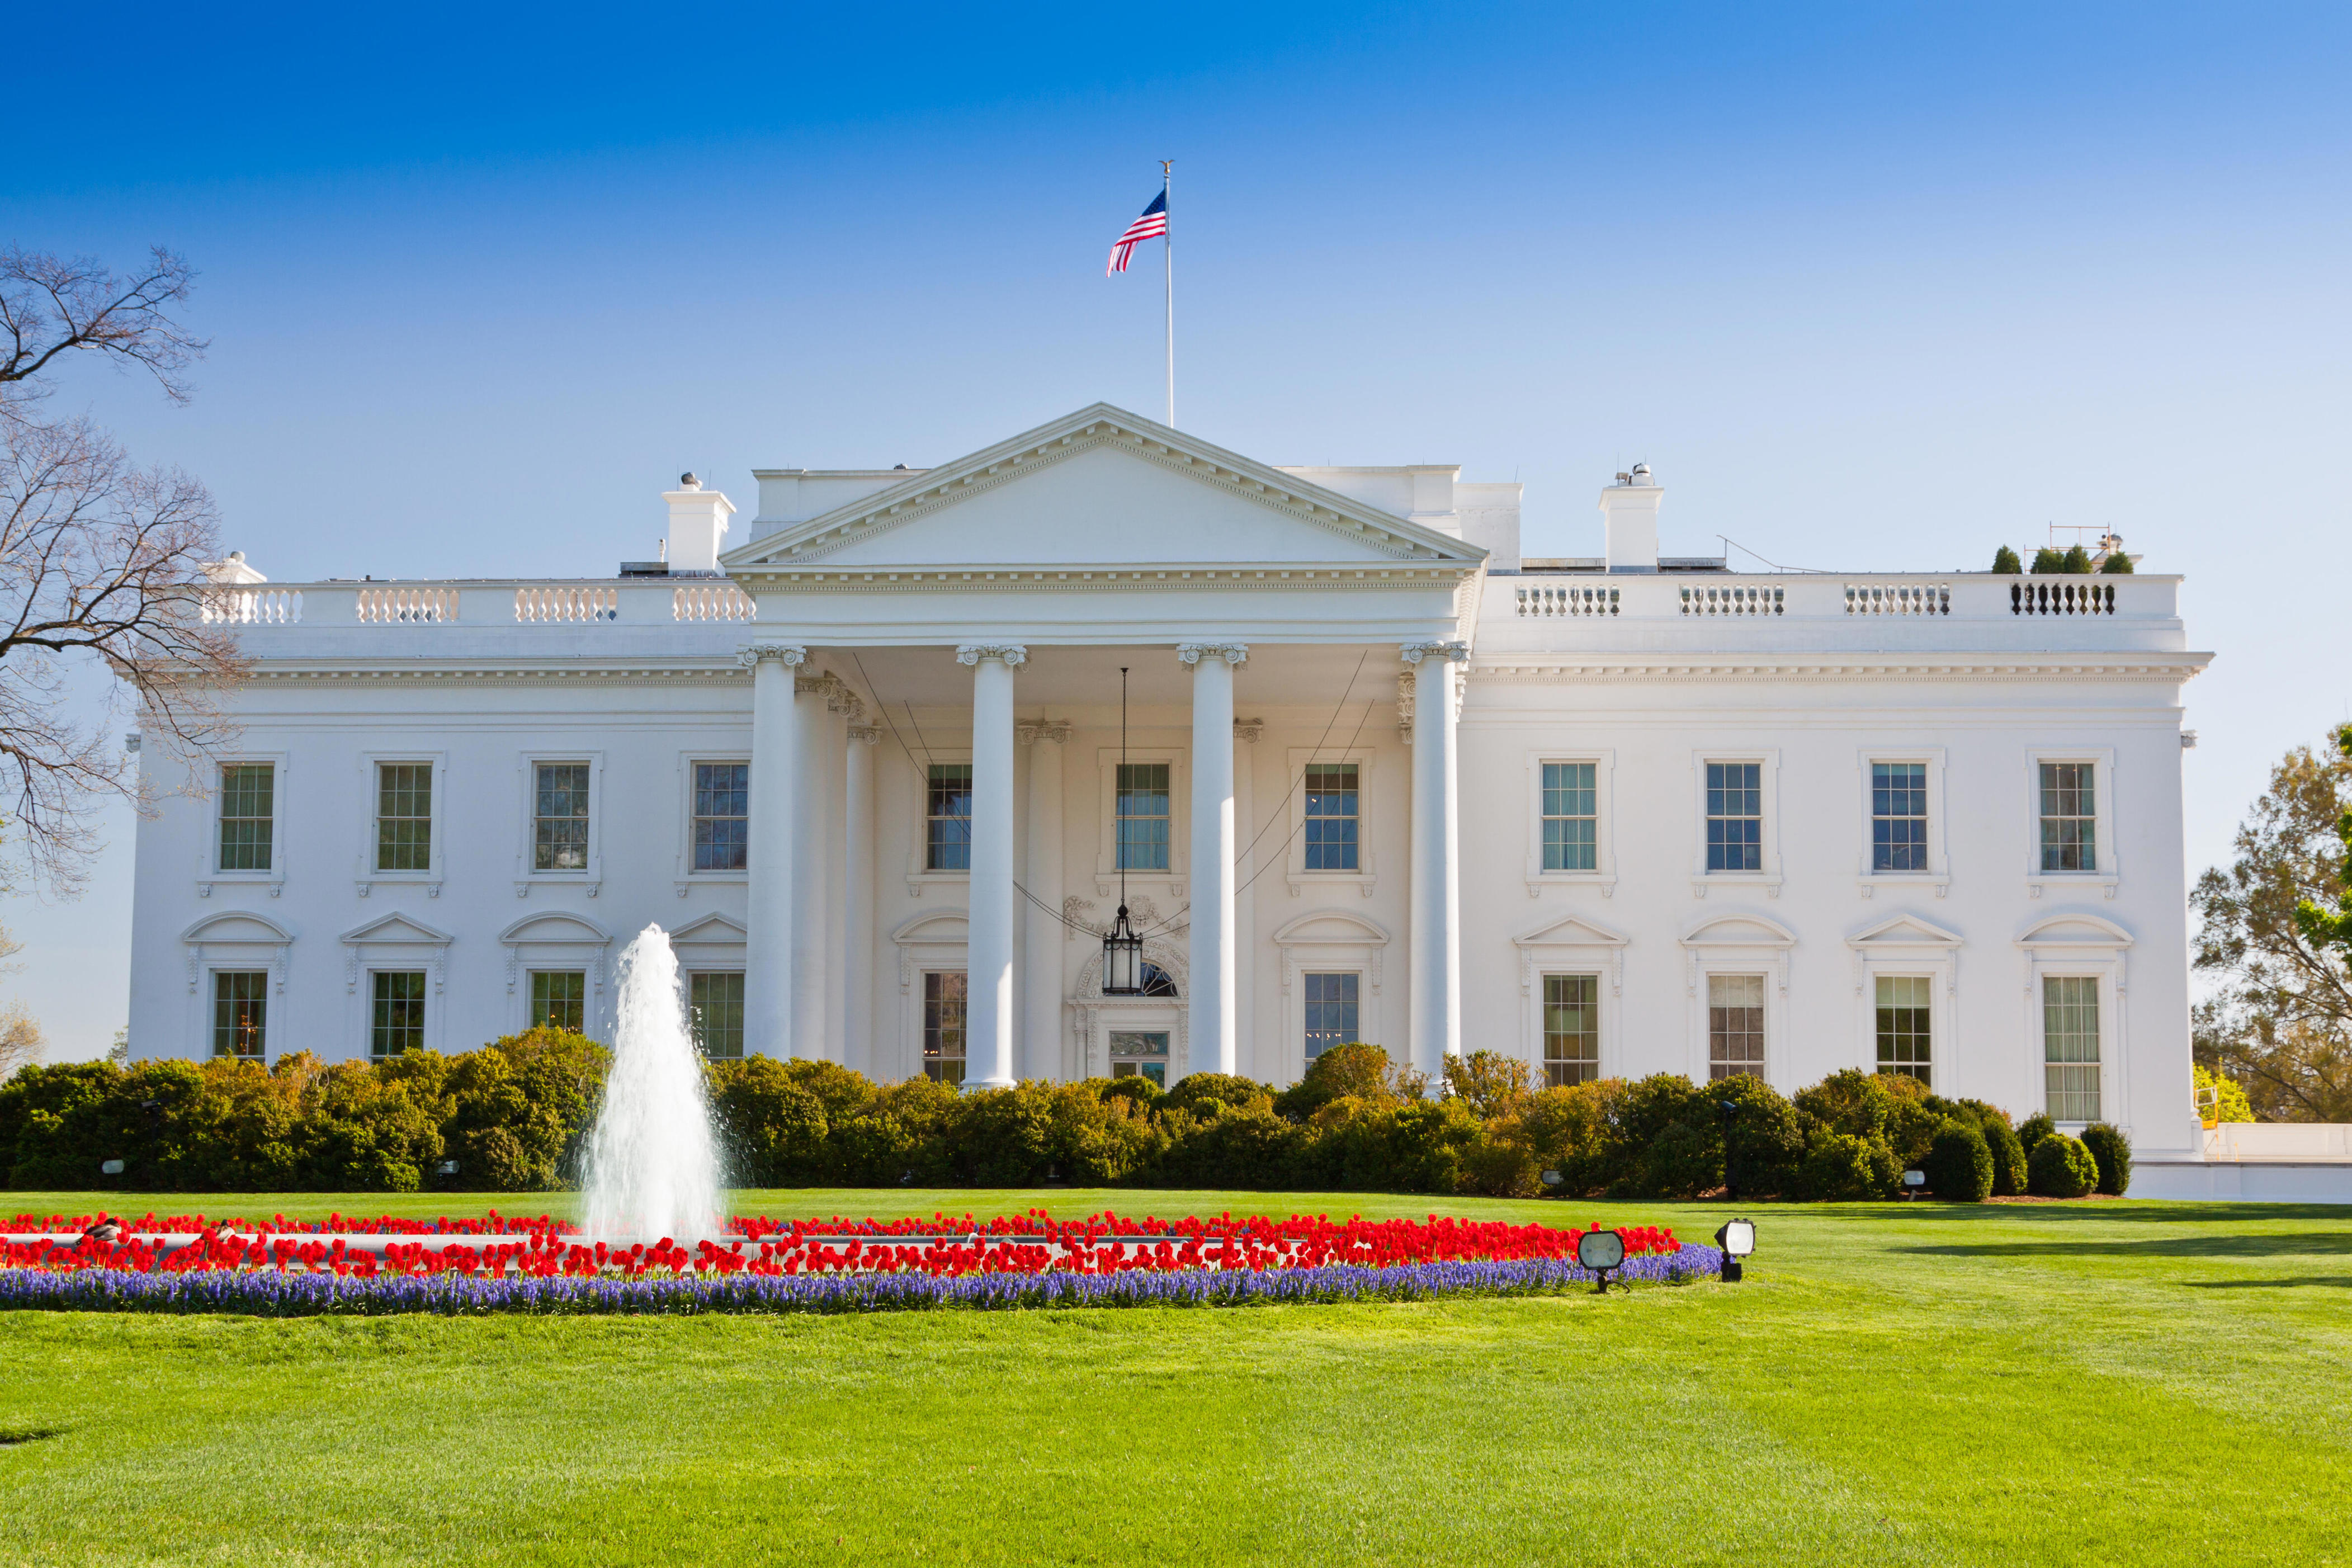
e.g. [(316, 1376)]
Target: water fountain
[(653, 1158)]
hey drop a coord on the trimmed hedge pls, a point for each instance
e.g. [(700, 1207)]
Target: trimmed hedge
[(1958, 1167), (513, 1114), (2110, 1147), (2059, 1167)]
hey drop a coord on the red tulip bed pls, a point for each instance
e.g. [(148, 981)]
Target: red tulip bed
[(190, 1263)]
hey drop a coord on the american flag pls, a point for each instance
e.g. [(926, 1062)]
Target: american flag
[(1153, 222)]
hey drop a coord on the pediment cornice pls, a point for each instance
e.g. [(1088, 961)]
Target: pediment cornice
[(1097, 425)]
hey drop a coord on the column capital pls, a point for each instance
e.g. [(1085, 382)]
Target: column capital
[(791, 654), (1235, 653), (1447, 652), (869, 734), (1248, 730), (1009, 653), (1030, 732)]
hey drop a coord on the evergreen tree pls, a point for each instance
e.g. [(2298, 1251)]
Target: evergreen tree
[(2005, 560), (2118, 565), (2047, 560), (2076, 560)]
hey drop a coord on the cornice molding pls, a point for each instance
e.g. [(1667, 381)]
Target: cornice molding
[(1508, 670), (1047, 578)]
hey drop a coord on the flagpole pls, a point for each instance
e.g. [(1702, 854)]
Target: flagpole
[(1168, 249)]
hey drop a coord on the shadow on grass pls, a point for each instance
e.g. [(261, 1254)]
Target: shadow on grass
[(2316, 1244), (2340, 1281), (2107, 1211)]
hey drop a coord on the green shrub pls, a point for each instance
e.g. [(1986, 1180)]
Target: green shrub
[(1249, 1148), (2008, 1157), (2049, 560), (2110, 1150), (1958, 1164), (1765, 1136), (775, 1131), (1680, 1163), (1856, 1104), (1571, 1129), (2229, 1103), (2117, 564), (2033, 1129), (1209, 1091), (1490, 1082), (2076, 561), (1134, 1087), (2059, 1167), (1501, 1168), (2005, 560), (1838, 1167), (1352, 1071)]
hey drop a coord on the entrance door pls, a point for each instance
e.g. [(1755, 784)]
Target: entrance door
[(1142, 1052)]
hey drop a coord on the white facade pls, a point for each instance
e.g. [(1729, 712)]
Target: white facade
[(871, 626)]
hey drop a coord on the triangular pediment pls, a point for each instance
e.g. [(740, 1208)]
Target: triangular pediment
[(1904, 931), (712, 930), (396, 927), (1101, 487), (1572, 931)]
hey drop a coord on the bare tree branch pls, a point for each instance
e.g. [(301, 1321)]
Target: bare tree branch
[(52, 306)]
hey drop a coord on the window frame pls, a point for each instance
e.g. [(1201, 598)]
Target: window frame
[(531, 1001), (2080, 946), (436, 820), (1571, 944), (1604, 875), (527, 872), (1934, 1036), (1105, 809), (1365, 878), (1329, 941), (1908, 945), (213, 975), (925, 783), (1868, 880), (424, 1000), (685, 876), (208, 868), (923, 1027), (1602, 1009), (706, 971), (1765, 1026), (1306, 977), (2108, 876), (1713, 947), (1768, 874)]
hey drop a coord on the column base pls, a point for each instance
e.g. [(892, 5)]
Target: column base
[(974, 1085)]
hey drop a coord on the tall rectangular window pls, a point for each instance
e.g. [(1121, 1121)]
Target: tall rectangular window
[(2070, 1046), (1735, 816), (714, 1003), (559, 999), (1330, 1012), (1735, 1025), (398, 1022), (1572, 1030), (2069, 817), (1332, 818), (947, 818), (559, 837), (1904, 1026), (240, 1013), (1139, 1053), (1898, 817), (943, 1005), (1572, 819), (722, 815), (248, 795), (1143, 816), (403, 817)]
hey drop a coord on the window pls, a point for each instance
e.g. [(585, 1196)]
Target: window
[(1902, 1024), (722, 808), (403, 817), (1734, 817), (947, 818), (559, 999), (1898, 817), (1332, 816), (399, 1022), (1572, 1030), (1330, 1012), (1139, 1053), (240, 1013), (247, 809), (1142, 816), (1571, 818), (714, 1003), (1735, 1025), (2070, 1045), (1156, 982), (560, 818), (943, 999), (2069, 820)]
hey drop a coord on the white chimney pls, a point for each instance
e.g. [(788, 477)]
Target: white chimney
[(697, 525), (1629, 513)]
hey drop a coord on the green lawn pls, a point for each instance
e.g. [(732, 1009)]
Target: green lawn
[(2077, 1383)]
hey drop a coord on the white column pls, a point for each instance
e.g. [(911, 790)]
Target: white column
[(768, 904), (811, 846), (1246, 864), (1041, 980), (1213, 1041), (988, 1015), (1435, 1032), (858, 908)]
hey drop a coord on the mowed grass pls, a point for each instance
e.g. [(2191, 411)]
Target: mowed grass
[(2081, 1384)]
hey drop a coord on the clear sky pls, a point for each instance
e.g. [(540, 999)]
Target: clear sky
[(1880, 286)]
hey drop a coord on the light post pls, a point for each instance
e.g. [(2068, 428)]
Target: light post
[(1737, 1239)]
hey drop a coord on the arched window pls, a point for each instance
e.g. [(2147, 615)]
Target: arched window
[(1156, 982)]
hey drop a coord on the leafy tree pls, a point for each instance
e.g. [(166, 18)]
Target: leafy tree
[(2229, 1102), (2117, 564), (2076, 561), (1490, 1082), (2005, 560), (2275, 929)]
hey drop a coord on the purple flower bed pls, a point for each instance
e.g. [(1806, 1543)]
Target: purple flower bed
[(268, 1294)]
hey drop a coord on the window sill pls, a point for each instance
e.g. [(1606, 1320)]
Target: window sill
[(1606, 882), (918, 880), (274, 880), (1871, 881), (1768, 880), (1362, 881), (1107, 882), (429, 881), (524, 884), (694, 879), (2106, 881)]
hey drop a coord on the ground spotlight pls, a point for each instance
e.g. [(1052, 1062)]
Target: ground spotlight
[(1737, 1239), (1603, 1252), (1913, 1182)]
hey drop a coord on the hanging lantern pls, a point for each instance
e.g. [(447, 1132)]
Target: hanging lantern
[(1122, 959)]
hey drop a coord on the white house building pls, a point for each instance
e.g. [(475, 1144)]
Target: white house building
[(1381, 778)]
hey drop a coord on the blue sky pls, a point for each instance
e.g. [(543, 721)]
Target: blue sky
[(1870, 287)]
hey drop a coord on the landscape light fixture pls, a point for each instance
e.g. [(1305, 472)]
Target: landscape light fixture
[(1602, 1251), (1551, 1178), (1913, 1182), (446, 1168), (1737, 1239), (1122, 969), (109, 1167)]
